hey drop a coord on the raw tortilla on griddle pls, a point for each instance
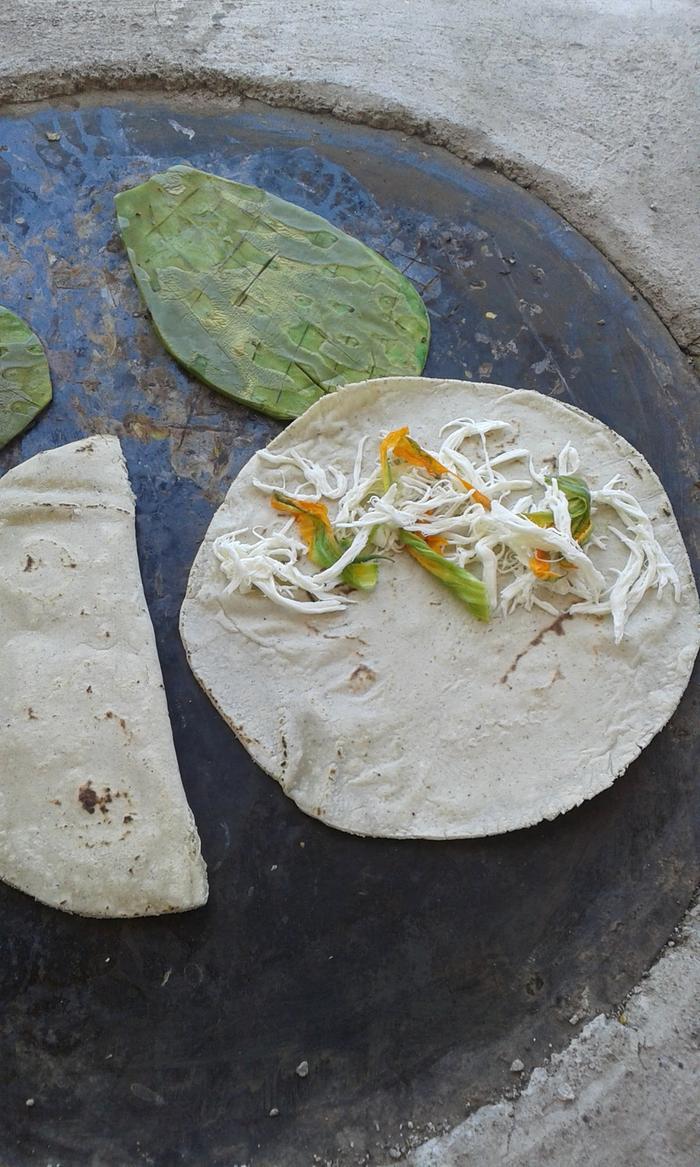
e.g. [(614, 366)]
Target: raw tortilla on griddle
[(403, 715), (93, 816)]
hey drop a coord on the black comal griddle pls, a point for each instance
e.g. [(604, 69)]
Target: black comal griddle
[(408, 975)]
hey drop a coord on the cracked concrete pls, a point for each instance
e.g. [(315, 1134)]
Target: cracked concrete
[(591, 105)]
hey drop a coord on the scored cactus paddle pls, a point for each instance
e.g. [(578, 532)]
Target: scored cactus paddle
[(266, 302), (25, 382)]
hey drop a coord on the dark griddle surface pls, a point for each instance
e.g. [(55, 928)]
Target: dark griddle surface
[(408, 975)]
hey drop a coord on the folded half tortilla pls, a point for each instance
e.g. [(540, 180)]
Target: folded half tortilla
[(404, 716), (93, 816)]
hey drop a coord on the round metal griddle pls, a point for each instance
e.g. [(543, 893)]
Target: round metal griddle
[(408, 975)]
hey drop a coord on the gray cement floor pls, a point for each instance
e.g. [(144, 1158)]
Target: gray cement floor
[(625, 1093), (591, 104)]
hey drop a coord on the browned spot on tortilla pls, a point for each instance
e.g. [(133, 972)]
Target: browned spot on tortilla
[(55, 802), (361, 678), (30, 564), (89, 689), (87, 797), (31, 714), (557, 626), (110, 716), (338, 636), (128, 818)]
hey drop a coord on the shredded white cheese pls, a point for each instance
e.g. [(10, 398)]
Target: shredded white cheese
[(270, 565), (497, 544)]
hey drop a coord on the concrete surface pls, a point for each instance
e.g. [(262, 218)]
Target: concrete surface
[(626, 1092), (591, 104)]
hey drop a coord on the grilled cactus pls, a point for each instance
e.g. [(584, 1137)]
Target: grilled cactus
[(25, 382), (267, 303)]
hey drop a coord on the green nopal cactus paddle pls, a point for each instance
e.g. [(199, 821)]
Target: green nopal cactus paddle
[(266, 302), (25, 381)]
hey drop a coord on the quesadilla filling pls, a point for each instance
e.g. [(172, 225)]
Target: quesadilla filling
[(496, 541)]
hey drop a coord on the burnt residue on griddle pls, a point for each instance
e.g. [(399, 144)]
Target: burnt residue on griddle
[(557, 626)]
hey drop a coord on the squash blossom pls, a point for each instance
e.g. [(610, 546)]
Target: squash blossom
[(323, 546)]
